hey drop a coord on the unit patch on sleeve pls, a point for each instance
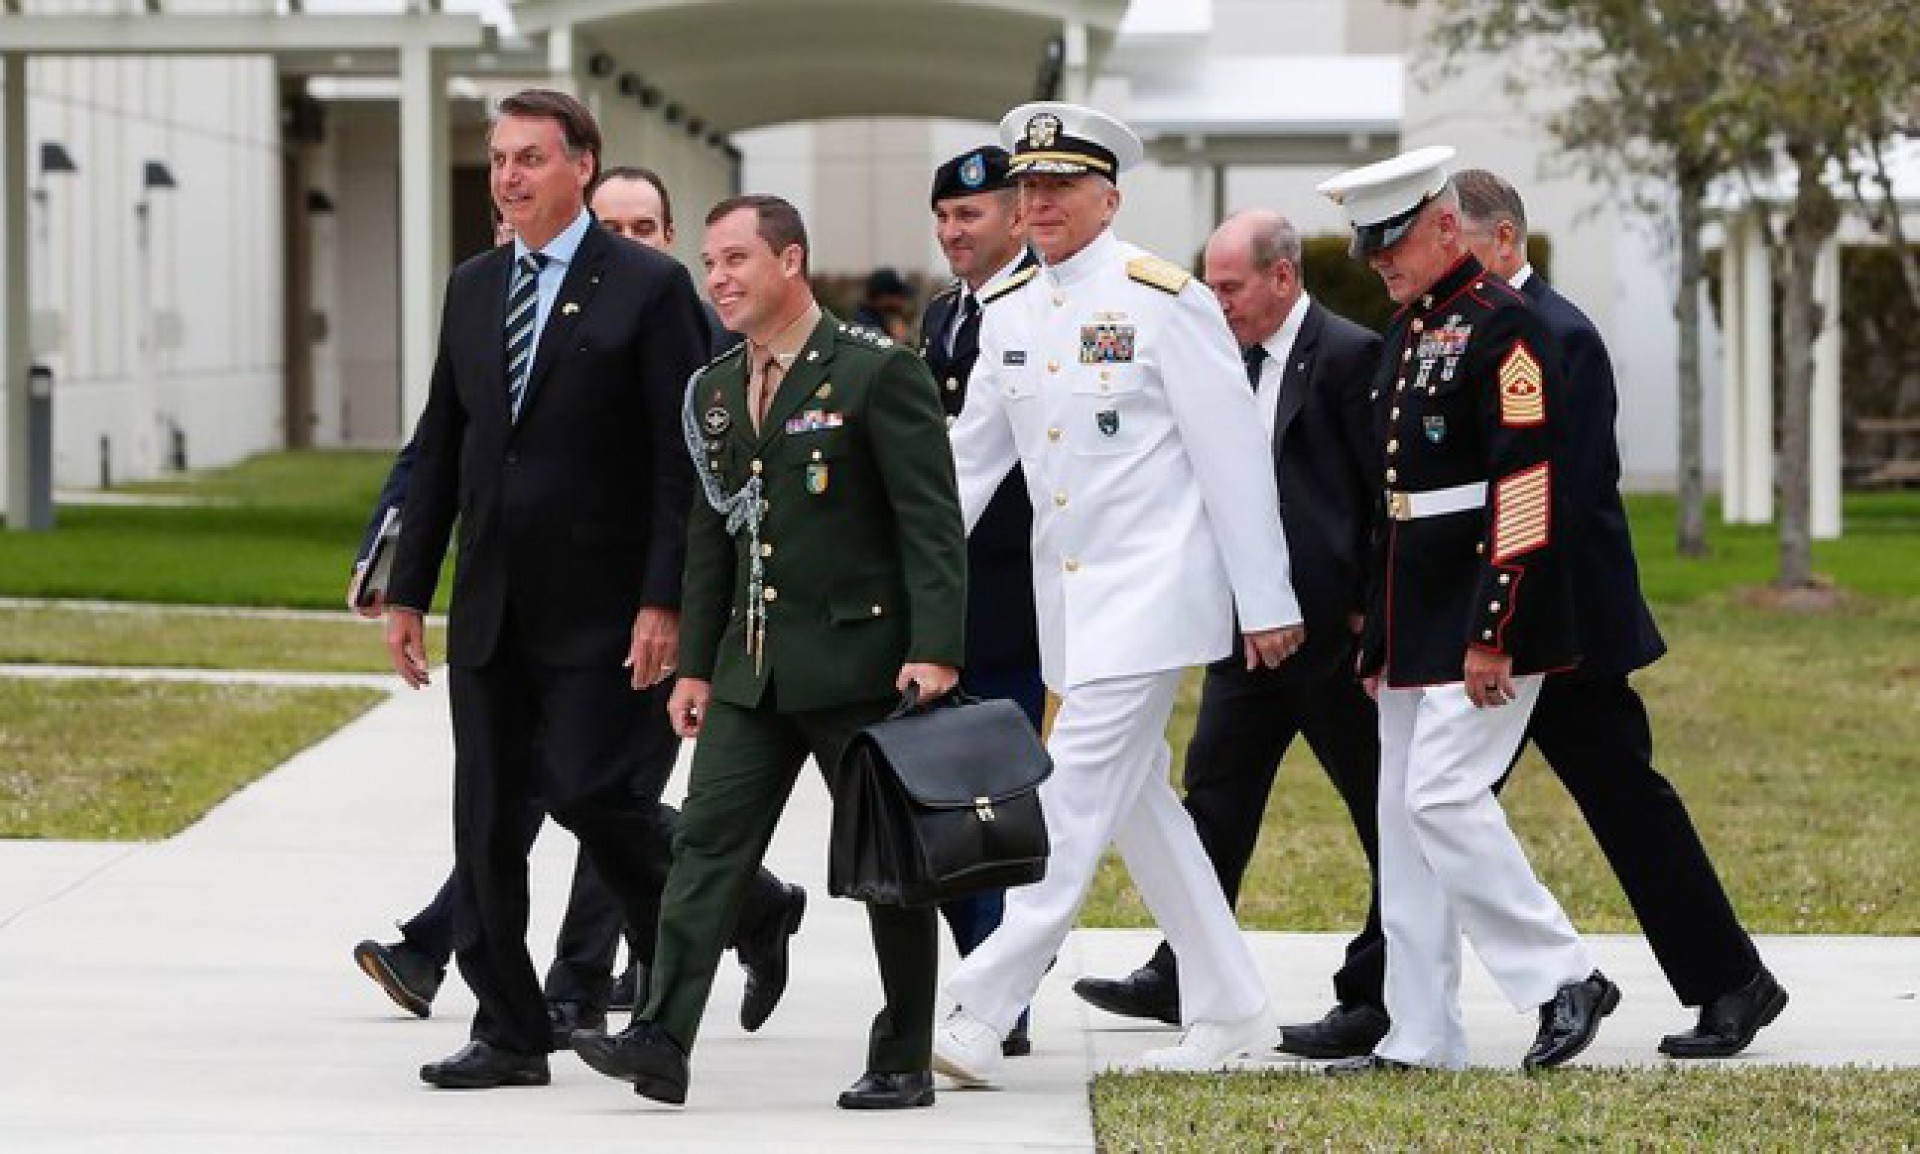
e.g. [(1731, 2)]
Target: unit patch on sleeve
[(1523, 401), (1521, 505)]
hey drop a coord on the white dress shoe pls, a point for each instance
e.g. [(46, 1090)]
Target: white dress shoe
[(1209, 1046), (967, 1049)]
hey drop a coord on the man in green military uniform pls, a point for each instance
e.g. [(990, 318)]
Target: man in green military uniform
[(826, 571)]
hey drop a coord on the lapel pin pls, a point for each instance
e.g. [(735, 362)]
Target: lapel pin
[(813, 354), (569, 309)]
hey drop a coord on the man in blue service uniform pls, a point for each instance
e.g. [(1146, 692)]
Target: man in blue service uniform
[(1589, 724), (1310, 370), (977, 221), (1469, 607), (825, 573)]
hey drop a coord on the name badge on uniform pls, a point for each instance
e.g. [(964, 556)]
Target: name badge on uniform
[(1014, 357), (1106, 344)]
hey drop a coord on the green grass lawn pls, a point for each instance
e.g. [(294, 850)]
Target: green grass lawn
[(1722, 1109), (63, 635), (280, 529), (133, 760)]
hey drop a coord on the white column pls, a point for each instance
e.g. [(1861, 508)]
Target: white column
[(424, 233), (1756, 360), (1075, 82), (1733, 369), (13, 264), (1200, 196), (1824, 467)]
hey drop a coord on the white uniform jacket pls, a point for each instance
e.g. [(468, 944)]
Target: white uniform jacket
[(1153, 491)]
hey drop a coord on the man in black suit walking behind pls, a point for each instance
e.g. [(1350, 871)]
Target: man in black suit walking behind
[(1310, 370), (1590, 724), (552, 432)]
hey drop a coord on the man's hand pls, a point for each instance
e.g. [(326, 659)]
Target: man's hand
[(687, 707), (933, 680), (655, 647), (1269, 647), (1489, 678), (407, 645)]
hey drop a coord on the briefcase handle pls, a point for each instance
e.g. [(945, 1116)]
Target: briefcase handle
[(910, 702)]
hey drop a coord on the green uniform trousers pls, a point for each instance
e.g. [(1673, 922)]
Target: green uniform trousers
[(744, 768)]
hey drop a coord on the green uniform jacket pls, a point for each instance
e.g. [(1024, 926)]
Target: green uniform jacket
[(862, 547)]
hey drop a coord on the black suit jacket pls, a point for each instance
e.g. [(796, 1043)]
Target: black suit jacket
[(1616, 629), (1326, 457), (574, 517), (1002, 630)]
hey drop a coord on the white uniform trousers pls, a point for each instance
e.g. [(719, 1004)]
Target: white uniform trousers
[(1449, 862), (1109, 785)]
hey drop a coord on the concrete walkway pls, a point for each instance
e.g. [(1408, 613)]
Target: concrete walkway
[(197, 994)]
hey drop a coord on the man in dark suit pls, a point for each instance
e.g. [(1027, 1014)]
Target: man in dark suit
[(1590, 724), (552, 433), (631, 203), (826, 573), (976, 211), (1310, 369)]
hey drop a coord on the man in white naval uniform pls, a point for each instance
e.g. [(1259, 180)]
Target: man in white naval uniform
[(1111, 378)]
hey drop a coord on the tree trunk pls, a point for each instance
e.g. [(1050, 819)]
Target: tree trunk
[(1815, 216), (1692, 537)]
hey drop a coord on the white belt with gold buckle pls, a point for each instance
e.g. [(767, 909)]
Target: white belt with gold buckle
[(1403, 506)]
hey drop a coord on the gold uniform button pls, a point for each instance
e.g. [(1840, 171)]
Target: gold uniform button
[(1053, 366), (1506, 578), (770, 594), (1071, 565), (1393, 444), (953, 384), (1480, 547), (1060, 500), (1493, 607), (816, 455), (877, 611), (1053, 434), (1395, 415), (1418, 326), (756, 466), (766, 548), (1486, 635), (1392, 476), (1407, 355)]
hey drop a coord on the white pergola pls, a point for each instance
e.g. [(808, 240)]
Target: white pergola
[(1746, 356)]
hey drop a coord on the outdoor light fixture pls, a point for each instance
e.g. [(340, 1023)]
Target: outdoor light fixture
[(54, 158), (630, 84), (649, 97), (695, 127), (318, 203), (600, 64), (673, 113), (157, 176)]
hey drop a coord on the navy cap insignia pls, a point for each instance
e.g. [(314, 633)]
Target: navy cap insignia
[(1043, 130), (973, 171)]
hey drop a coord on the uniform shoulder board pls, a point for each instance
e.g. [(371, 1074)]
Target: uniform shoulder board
[(1164, 275), (1010, 284)]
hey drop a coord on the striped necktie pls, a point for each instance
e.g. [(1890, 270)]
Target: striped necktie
[(522, 311)]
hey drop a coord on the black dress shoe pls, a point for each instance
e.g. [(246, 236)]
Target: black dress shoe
[(405, 972), (1350, 1030), (1016, 1044), (1365, 1064), (1145, 993), (1729, 1022), (1569, 1022), (563, 1018), (643, 1054), (479, 1066), (877, 1091), (763, 952)]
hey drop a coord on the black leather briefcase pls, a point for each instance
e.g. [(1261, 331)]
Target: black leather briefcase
[(939, 802)]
